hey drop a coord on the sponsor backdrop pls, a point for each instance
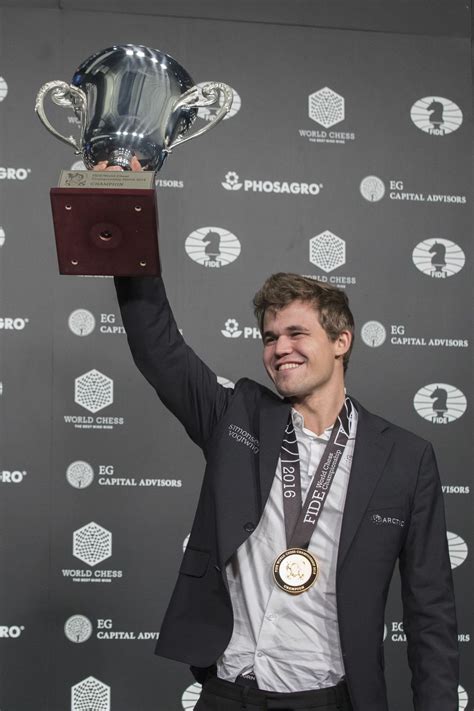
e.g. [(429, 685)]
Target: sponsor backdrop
[(346, 157)]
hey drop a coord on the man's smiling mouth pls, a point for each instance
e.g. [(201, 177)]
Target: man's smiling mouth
[(288, 366)]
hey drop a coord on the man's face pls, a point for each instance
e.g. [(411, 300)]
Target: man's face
[(297, 353)]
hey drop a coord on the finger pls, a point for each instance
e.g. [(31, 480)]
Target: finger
[(114, 167), (101, 165), (135, 164)]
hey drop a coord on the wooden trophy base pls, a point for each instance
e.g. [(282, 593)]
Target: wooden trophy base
[(106, 231)]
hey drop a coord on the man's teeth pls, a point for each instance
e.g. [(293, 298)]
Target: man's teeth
[(287, 366)]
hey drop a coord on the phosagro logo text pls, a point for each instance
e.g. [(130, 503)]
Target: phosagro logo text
[(11, 632), (233, 182), (10, 323), (14, 173)]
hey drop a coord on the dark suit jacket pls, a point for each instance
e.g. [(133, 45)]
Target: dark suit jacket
[(393, 477)]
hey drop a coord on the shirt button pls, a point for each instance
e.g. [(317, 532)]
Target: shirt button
[(259, 654), (249, 527)]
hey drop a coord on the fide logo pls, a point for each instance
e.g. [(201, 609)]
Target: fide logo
[(440, 403), (458, 549), (212, 247), (326, 107), (436, 115), (80, 474), (92, 544), (438, 258), (90, 695), (373, 334), (3, 89), (327, 251), (81, 322), (208, 113), (372, 188), (78, 629), (191, 696), (463, 698), (93, 391)]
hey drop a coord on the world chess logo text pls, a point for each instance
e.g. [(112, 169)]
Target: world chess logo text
[(92, 545), (327, 108)]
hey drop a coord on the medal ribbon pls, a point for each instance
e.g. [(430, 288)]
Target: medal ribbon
[(301, 520)]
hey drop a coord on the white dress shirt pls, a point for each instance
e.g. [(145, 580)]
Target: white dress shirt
[(290, 642)]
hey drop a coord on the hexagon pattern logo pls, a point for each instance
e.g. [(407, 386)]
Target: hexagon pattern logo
[(80, 474), (90, 695), (326, 107), (92, 544), (373, 334), (78, 629), (191, 696), (327, 251), (93, 391), (81, 322)]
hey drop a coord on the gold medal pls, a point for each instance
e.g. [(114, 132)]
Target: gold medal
[(295, 570)]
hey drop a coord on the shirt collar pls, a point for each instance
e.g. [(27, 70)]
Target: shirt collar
[(298, 423)]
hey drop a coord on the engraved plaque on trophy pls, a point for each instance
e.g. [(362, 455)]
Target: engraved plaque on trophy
[(131, 103)]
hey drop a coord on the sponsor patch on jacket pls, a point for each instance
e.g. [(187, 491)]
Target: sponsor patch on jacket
[(243, 437), (381, 520)]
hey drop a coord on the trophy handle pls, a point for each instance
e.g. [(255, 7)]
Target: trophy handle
[(67, 96), (205, 95)]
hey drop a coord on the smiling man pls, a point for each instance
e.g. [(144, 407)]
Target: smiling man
[(307, 504)]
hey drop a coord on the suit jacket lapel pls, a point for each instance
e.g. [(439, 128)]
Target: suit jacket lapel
[(273, 418), (371, 452)]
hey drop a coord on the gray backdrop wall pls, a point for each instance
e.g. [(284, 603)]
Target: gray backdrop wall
[(347, 158)]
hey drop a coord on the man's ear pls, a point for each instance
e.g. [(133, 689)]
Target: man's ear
[(343, 342)]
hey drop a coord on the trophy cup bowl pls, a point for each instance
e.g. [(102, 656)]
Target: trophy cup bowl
[(128, 100)]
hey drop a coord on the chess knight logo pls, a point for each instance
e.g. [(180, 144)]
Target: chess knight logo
[(436, 115), (440, 403), (212, 247), (438, 258)]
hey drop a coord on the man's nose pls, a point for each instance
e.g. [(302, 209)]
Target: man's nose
[(283, 346)]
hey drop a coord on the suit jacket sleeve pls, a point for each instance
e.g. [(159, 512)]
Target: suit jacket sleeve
[(185, 385), (428, 598)]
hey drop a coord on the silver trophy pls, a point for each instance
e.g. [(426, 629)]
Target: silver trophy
[(129, 101)]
